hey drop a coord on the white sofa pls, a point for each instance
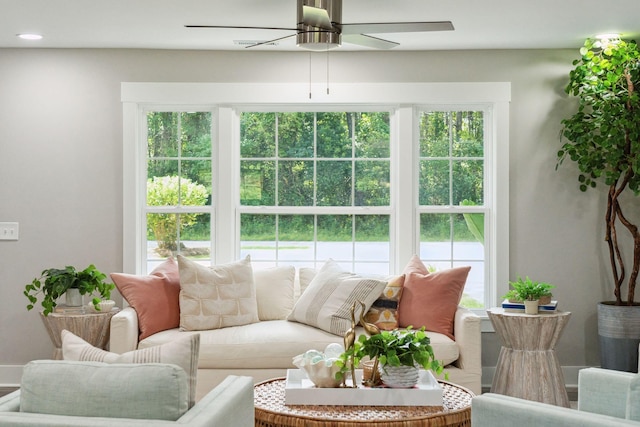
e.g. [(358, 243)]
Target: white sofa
[(265, 349)]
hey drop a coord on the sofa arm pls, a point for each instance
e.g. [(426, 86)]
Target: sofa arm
[(124, 331), (604, 391), (466, 329), (495, 410), (228, 404)]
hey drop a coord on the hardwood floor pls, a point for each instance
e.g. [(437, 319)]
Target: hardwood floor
[(6, 390)]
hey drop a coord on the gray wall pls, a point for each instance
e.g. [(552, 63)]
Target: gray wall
[(61, 166)]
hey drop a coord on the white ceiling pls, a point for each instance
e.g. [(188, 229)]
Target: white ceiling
[(159, 24)]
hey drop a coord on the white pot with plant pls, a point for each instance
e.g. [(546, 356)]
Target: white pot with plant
[(397, 354), (530, 292)]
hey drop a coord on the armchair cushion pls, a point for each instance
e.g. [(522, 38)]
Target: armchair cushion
[(183, 351), (140, 391)]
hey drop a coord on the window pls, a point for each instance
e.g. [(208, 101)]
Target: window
[(368, 180), (178, 185), (451, 195), (326, 178)]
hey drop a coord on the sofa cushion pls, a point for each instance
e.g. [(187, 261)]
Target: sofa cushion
[(218, 296), (95, 389), (327, 301), (273, 344), (384, 310), (431, 300), (155, 297), (274, 291), (183, 351)]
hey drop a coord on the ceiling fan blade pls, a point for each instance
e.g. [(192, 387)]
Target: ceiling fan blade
[(316, 17), (238, 27), (369, 41), (396, 27), (269, 41)]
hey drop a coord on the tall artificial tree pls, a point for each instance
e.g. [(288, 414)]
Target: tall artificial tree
[(603, 138)]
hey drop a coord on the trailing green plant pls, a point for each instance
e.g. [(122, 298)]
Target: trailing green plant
[(54, 282), (400, 347), (528, 290), (603, 138)]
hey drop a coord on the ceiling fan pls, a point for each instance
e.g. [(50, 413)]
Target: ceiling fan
[(320, 28)]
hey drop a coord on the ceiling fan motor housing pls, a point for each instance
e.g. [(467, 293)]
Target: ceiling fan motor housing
[(313, 37)]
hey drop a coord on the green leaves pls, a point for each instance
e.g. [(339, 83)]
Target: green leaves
[(400, 347), (53, 283)]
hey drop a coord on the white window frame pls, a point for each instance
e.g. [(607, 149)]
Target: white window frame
[(226, 98)]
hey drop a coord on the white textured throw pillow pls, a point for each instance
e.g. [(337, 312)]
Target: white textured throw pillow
[(216, 297), (327, 301), (183, 352), (274, 291)]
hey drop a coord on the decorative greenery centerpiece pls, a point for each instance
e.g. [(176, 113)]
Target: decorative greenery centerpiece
[(53, 283), (400, 347), (528, 290), (603, 138)]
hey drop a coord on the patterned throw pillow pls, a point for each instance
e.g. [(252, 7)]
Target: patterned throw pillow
[(384, 311), (216, 297), (183, 352), (155, 297), (327, 301)]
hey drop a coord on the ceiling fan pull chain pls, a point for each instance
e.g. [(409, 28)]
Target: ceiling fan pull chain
[(309, 75), (327, 68)]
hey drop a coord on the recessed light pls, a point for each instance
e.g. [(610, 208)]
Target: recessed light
[(30, 36)]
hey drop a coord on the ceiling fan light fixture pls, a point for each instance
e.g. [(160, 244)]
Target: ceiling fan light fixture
[(318, 41)]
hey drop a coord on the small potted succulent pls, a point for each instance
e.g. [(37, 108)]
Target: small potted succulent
[(530, 292), (54, 282), (397, 354)]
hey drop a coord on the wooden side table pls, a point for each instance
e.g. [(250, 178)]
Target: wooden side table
[(94, 328), (528, 367)]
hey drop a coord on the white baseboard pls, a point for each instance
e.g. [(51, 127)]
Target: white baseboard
[(10, 375), (570, 374)]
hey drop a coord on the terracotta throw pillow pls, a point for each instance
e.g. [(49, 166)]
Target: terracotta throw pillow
[(415, 265), (431, 300), (216, 297), (384, 311), (154, 297)]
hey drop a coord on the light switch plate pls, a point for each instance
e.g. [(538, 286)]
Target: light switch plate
[(8, 231)]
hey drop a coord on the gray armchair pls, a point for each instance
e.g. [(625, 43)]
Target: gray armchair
[(122, 395), (605, 398)]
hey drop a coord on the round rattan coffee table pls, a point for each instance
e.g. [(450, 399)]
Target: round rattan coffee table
[(272, 412)]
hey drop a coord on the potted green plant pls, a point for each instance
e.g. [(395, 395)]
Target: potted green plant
[(603, 138), (397, 350), (530, 292), (53, 283)]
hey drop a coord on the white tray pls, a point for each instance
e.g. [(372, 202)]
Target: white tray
[(299, 390)]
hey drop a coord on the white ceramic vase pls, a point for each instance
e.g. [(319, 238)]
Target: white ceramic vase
[(531, 307), (73, 297), (399, 376)]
